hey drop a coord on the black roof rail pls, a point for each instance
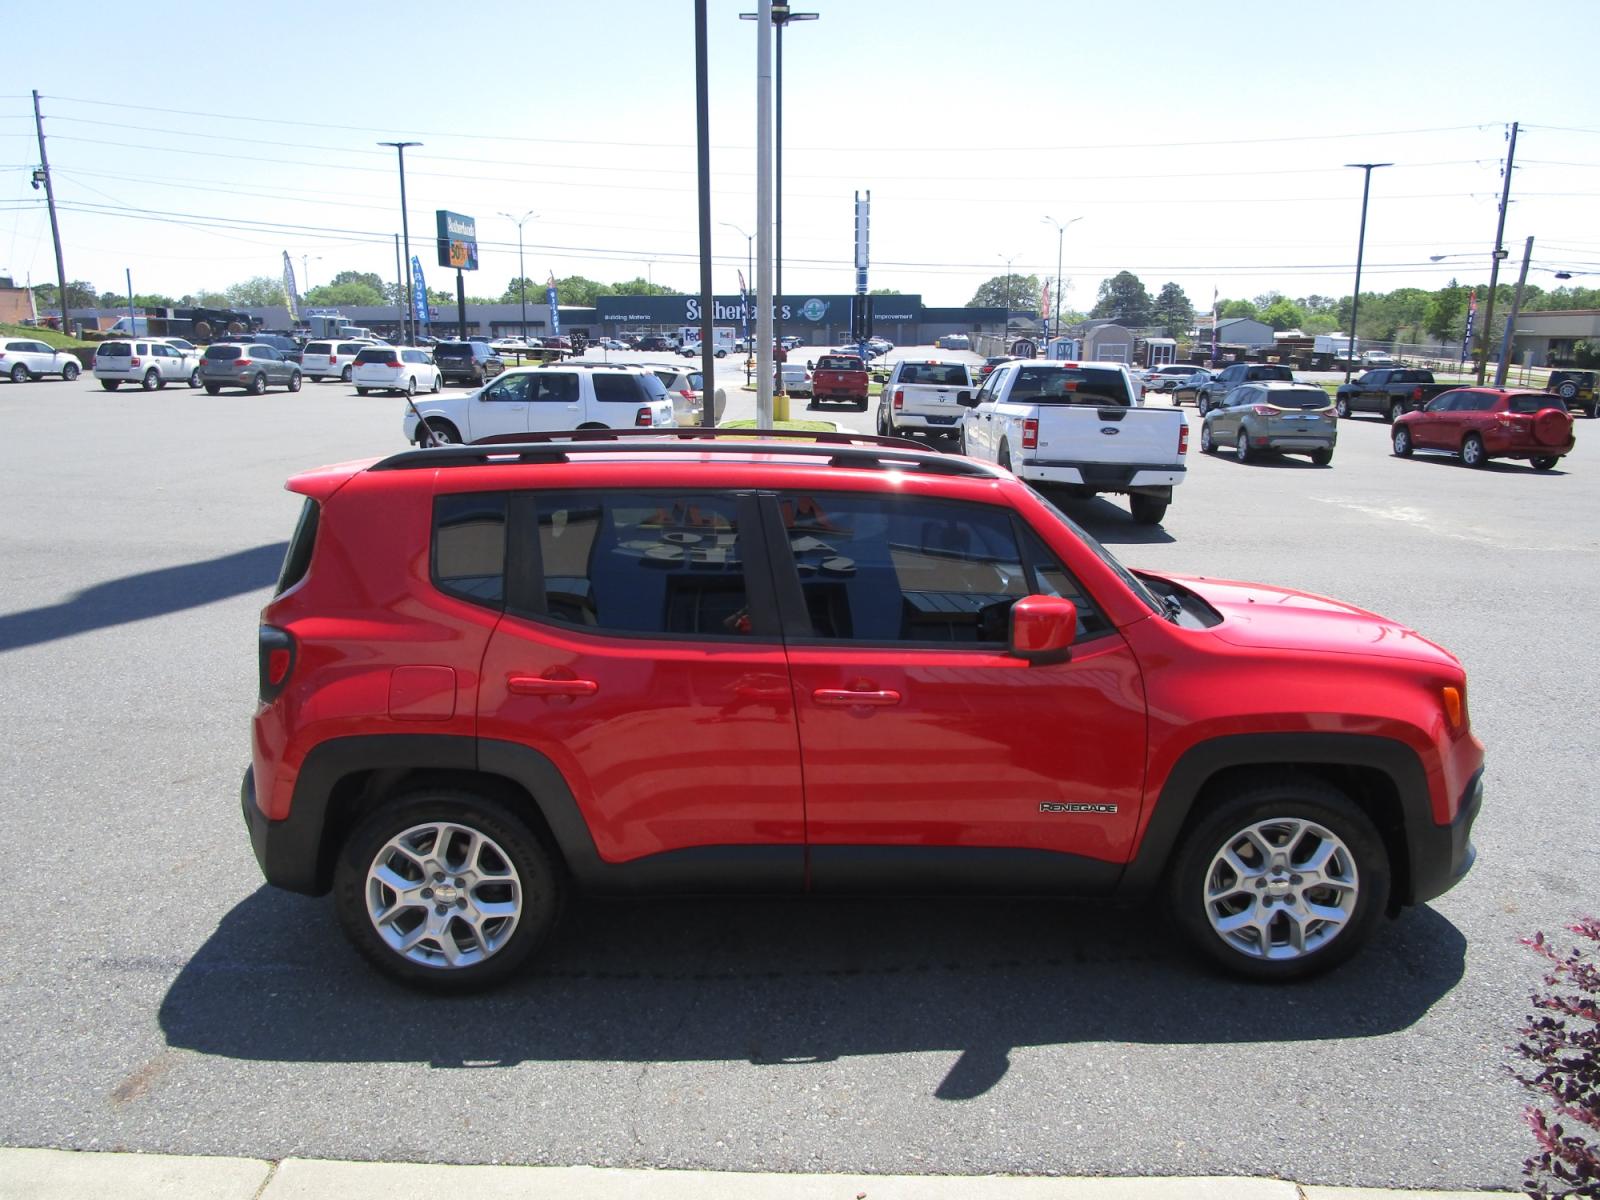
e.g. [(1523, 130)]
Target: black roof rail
[(841, 449)]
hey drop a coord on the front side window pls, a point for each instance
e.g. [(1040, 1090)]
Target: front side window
[(643, 562), (911, 569)]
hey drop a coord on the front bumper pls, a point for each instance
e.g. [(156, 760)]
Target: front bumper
[(1442, 854)]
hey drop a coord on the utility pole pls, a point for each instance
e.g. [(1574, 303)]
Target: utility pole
[(1361, 245), (1511, 321), (1500, 252), (133, 321), (50, 202), (405, 229), (522, 272), (400, 290), (1061, 236)]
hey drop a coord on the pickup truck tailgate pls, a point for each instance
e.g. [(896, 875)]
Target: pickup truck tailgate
[(1116, 436)]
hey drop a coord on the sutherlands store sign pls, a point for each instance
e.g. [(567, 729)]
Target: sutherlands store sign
[(817, 310)]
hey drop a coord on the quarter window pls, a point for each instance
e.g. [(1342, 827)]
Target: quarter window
[(469, 546)]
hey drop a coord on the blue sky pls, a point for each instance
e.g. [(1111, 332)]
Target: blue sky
[(1202, 144)]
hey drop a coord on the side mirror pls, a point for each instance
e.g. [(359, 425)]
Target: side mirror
[(1042, 629), (966, 400)]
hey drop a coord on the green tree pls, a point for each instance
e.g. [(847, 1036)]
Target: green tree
[(640, 286), (80, 294), (1124, 298), (1011, 292), (1173, 309), (349, 293), (262, 291), (885, 292), (1237, 308), (1445, 315), (204, 299), (1283, 313)]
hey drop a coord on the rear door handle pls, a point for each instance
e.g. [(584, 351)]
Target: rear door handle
[(537, 685), (845, 698)]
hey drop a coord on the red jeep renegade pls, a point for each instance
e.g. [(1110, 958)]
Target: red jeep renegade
[(598, 662)]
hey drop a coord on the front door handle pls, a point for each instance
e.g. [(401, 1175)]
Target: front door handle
[(846, 698), (538, 685)]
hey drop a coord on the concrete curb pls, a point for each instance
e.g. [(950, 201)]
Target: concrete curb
[(79, 1175)]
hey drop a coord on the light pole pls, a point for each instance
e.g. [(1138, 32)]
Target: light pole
[(1006, 332), (781, 16), (305, 271), (744, 293), (405, 231), (1361, 245), (1061, 233), (522, 273)]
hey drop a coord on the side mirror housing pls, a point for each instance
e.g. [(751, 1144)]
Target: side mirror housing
[(1042, 629), (966, 399)]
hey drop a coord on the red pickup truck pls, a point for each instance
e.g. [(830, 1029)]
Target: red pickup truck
[(840, 377)]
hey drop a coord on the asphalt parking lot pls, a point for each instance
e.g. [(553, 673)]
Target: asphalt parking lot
[(161, 999)]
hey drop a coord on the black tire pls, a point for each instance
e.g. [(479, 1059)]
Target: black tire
[(69, 372), (346, 375), (213, 389), (362, 391), (1147, 510), (19, 374), (1201, 406), (1003, 460), (194, 378), (1472, 451), (884, 429), (152, 380), (438, 384), (1207, 446), (1322, 457), (1401, 438), (1568, 390), (111, 385), (722, 354), (258, 385), (411, 386), (1545, 462), (295, 382), (862, 405), (527, 859), (1241, 445), (443, 432), (1341, 408), (1396, 411), (1272, 806)]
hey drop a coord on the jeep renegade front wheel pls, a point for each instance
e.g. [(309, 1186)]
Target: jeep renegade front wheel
[(446, 890), (1284, 880)]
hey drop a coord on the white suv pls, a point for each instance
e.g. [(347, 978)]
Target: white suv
[(149, 362), (407, 369), (545, 400), (330, 358), (22, 360)]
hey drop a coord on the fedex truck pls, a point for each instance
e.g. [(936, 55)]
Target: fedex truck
[(723, 340)]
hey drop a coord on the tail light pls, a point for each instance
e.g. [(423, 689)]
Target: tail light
[(393, 362), (899, 399), (1183, 439), (134, 361), (644, 417), (687, 394), (1263, 410), (1030, 433), (275, 654), (238, 362)]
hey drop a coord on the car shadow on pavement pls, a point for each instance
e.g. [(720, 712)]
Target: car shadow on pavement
[(1107, 520), (148, 594), (783, 981)]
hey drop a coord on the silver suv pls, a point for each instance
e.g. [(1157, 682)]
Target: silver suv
[(252, 366)]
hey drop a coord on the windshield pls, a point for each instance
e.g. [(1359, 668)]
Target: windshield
[(1133, 582)]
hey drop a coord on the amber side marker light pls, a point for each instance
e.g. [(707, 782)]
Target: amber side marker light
[(1453, 708)]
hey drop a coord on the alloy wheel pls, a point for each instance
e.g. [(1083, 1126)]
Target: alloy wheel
[(1281, 888)]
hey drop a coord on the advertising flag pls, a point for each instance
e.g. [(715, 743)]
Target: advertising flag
[(555, 311), (419, 293), (1472, 316), (289, 288), (1213, 324)]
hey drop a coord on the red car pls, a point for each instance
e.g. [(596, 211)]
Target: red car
[(1484, 423), (722, 661)]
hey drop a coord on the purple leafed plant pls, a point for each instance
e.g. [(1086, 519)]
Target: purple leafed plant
[(1560, 1049)]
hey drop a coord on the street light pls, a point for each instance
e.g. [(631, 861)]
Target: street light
[(744, 292), (1061, 233), (1361, 245), (781, 16), (305, 271), (1006, 297), (522, 274), (405, 230)]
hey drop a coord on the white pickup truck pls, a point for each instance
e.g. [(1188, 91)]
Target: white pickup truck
[(923, 397), (1079, 426)]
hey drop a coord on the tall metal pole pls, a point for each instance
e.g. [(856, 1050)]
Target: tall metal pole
[(781, 12), (399, 291), (1511, 321), (1361, 246), (522, 271), (405, 230), (702, 120), (133, 322), (55, 227), (1061, 234), (1500, 252), (764, 358)]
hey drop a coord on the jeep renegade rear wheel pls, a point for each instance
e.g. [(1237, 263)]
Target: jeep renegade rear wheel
[(1282, 881), (446, 890)]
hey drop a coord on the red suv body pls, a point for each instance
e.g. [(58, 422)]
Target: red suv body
[(493, 674), (1484, 423)]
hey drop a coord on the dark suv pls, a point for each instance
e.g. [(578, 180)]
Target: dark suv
[(607, 661), (1211, 392), (472, 362)]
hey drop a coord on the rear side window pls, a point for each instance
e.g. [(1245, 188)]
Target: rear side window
[(297, 558), (469, 547), (619, 389), (1070, 385), (114, 350), (319, 347)]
